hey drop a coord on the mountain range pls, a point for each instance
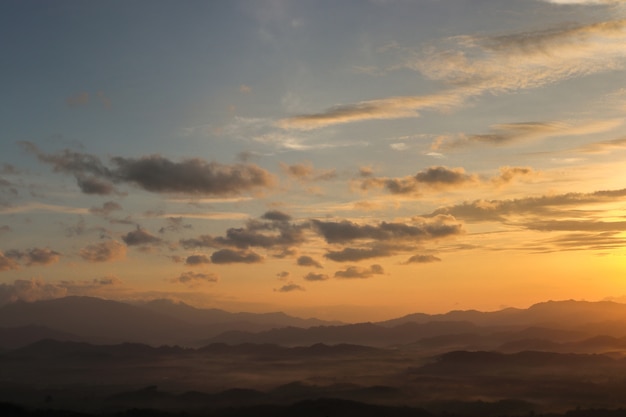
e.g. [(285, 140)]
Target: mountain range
[(557, 325)]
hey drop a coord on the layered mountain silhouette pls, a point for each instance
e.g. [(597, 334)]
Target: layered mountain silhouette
[(550, 325)]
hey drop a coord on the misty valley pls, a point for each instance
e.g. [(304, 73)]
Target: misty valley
[(90, 356)]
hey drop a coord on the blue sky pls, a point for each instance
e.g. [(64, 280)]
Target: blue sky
[(352, 160)]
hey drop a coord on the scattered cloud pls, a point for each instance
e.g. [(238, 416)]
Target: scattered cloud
[(34, 256), (195, 260), (306, 172), (103, 252), (358, 254), (311, 276), (422, 259), (603, 147), (155, 173), (438, 177), (358, 272), (227, 256), (7, 263), (194, 279), (346, 231), (140, 237), (106, 208), (546, 206), (511, 133), (306, 260), (290, 288)]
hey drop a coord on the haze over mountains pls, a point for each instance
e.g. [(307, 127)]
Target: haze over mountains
[(100, 356)]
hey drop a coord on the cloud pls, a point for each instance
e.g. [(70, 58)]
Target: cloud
[(311, 276), (357, 254), (603, 147), (276, 216), (305, 260), (227, 256), (5, 229), (500, 210), (474, 65), (174, 224), (509, 174), (106, 209), (7, 263), (30, 290), (103, 252), (387, 108), (438, 177), (140, 237), (346, 231), (155, 173), (195, 260), (290, 287), (422, 259), (193, 279), (283, 275), (306, 172), (510, 133), (34, 256), (505, 63), (108, 280), (245, 89), (357, 272), (275, 233), (193, 176)]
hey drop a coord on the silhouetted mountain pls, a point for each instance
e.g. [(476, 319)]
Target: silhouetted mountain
[(368, 334), (216, 321), (97, 320), (13, 337), (104, 321), (565, 315)]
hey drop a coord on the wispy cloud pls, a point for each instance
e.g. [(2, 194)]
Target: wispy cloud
[(512, 133), (474, 65)]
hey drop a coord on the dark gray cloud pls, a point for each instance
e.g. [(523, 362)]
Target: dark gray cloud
[(227, 256), (358, 272), (193, 279), (357, 254), (195, 260), (277, 216), (103, 252), (277, 233), (106, 209), (422, 259), (434, 177), (305, 260), (155, 173), (174, 224), (93, 185), (140, 237), (579, 241), (575, 225), (290, 287), (193, 176), (202, 241), (346, 231), (311, 276), (34, 256)]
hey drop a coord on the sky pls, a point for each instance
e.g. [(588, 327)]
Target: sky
[(352, 160)]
